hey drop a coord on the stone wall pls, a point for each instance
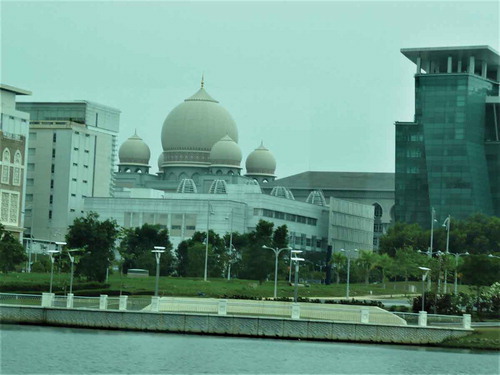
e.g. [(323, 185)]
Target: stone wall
[(228, 325)]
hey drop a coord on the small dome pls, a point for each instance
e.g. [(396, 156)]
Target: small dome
[(261, 162), (218, 187), (316, 197), (187, 185), (226, 152), (282, 192), (134, 151), (160, 162)]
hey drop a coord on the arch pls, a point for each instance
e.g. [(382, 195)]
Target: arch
[(18, 159), (219, 172), (127, 170), (196, 177), (183, 176), (265, 181), (16, 175), (5, 166), (391, 213), (138, 170), (230, 173), (378, 211), (172, 177)]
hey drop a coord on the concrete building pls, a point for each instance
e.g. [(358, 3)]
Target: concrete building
[(200, 184), (374, 189), (448, 157), (14, 125), (71, 156)]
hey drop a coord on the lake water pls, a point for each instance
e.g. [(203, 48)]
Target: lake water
[(53, 350)]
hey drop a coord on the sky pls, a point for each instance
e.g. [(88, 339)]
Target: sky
[(319, 83)]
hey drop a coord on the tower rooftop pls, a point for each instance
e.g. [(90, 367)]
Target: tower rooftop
[(481, 53)]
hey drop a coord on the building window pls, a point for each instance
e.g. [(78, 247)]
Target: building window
[(73, 195), (53, 152), (16, 177), (54, 137), (72, 210), (85, 166), (73, 179), (52, 168), (50, 214), (52, 184), (51, 199), (9, 208), (6, 166), (75, 148), (378, 210)]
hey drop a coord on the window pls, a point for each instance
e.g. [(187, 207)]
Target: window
[(53, 152), (54, 137), (86, 151), (5, 166), (9, 208), (84, 181), (51, 199), (50, 214), (73, 179), (16, 178), (73, 195), (75, 164), (72, 210), (52, 168), (377, 209), (75, 148), (85, 166), (51, 184)]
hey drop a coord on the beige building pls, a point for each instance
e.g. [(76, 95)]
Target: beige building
[(71, 156), (13, 140)]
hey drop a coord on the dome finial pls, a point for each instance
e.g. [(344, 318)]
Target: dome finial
[(202, 79)]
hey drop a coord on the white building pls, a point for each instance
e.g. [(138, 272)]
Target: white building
[(199, 184), (13, 141), (71, 156)]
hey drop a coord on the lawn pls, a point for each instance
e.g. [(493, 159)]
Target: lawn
[(481, 338), (189, 287)]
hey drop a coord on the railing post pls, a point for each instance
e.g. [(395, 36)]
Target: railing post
[(47, 299), (365, 316), (69, 300), (422, 318), (222, 307), (466, 321), (295, 311), (155, 303), (123, 303), (103, 302)]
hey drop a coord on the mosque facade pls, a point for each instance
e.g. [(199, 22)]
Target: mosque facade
[(200, 185)]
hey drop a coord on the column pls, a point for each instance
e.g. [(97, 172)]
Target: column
[(427, 66), (365, 316), (123, 303), (155, 303), (484, 69), (103, 302), (422, 318), (222, 307), (69, 300), (459, 66), (419, 65), (449, 67), (47, 299), (295, 311), (472, 65), (498, 73), (466, 321)]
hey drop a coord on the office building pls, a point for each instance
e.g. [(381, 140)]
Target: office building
[(448, 157), (71, 155)]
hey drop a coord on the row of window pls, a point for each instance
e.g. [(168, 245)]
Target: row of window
[(284, 216), (6, 167)]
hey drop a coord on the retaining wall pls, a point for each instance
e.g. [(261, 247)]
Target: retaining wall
[(228, 325)]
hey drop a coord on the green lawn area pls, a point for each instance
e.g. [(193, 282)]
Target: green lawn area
[(481, 338), (188, 287)]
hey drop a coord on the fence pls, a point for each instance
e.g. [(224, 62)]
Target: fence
[(338, 313)]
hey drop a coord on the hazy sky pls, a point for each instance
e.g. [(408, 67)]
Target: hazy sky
[(321, 83)]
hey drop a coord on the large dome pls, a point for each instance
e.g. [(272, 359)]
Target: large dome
[(226, 152), (193, 127), (134, 151), (261, 162)]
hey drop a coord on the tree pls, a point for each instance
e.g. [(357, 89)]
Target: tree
[(338, 261), (403, 235), (386, 264), (407, 262), (97, 238), (11, 251), (367, 261), (137, 243), (479, 271)]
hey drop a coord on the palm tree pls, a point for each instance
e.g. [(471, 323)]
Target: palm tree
[(367, 261), (338, 260)]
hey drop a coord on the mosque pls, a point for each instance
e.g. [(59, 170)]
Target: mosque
[(200, 185)]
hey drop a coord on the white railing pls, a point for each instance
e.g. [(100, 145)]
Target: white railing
[(330, 312)]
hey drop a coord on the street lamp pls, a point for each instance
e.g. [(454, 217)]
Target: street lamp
[(446, 224), (493, 256), (230, 245), (433, 220), (72, 260), (457, 255), (276, 253), (348, 255), (209, 212), (158, 250), (296, 260), (424, 275), (52, 260)]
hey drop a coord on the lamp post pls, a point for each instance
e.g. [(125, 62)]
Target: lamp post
[(230, 245), (296, 260), (209, 212), (158, 250), (72, 260), (446, 224), (348, 255), (424, 275), (52, 260), (457, 255), (276, 253)]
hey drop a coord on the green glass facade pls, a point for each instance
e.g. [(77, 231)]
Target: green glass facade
[(449, 157)]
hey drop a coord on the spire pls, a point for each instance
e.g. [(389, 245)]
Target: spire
[(202, 79)]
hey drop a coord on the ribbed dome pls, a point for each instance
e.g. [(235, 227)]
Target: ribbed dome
[(160, 162), (226, 152), (193, 127), (261, 162), (134, 151)]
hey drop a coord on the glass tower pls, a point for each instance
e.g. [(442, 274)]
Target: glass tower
[(449, 156)]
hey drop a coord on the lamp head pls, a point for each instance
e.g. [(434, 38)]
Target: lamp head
[(52, 252), (266, 247), (424, 269), (60, 243)]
